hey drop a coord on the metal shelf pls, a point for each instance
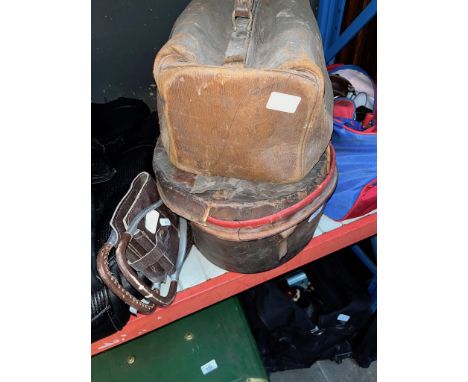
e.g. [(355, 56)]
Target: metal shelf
[(229, 284), (329, 19)]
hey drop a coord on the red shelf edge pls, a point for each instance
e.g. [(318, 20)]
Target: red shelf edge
[(229, 284)]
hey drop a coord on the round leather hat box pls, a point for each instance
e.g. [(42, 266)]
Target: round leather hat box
[(245, 226)]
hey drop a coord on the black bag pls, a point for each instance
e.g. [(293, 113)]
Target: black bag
[(124, 134), (108, 313), (320, 324), (118, 123), (365, 344)]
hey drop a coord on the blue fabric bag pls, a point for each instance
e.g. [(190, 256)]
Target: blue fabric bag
[(356, 158)]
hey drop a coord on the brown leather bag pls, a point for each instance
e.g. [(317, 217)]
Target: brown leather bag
[(243, 90), (151, 243)]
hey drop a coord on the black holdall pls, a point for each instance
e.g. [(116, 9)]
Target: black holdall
[(294, 326), (289, 339)]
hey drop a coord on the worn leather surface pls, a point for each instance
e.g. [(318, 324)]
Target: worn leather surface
[(252, 250), (246, 249), (196, 197), (214, 84), (253, 256)]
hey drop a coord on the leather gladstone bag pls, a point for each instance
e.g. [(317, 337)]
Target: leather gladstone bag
[(243, 90)]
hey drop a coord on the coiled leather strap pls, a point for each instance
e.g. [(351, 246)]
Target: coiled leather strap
[(102, 263)]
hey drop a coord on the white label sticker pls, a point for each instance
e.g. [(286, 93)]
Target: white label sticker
[(209, 367), (283, 102), (165, 222), (151, 221), (343, 317), (314, 214)]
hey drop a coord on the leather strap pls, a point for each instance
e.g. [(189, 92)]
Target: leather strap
[(149, 251), (132, 277), (243, 8), (102, 263), (152, 253), (242, 20), (149, 247), (141, 194)]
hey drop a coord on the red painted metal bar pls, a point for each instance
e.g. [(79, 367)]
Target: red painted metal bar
[(229, 284)]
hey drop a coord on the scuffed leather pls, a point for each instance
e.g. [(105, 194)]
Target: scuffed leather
[(212, 111)]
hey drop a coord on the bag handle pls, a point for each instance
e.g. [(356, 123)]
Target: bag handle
[(102, 264), (242, 20), (242, 8)]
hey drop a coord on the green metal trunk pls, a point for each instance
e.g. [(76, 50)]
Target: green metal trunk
[(215, 341)]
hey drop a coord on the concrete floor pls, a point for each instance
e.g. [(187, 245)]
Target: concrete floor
[(328, 371)]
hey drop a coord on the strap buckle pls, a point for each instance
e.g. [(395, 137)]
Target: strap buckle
[(242, 9)]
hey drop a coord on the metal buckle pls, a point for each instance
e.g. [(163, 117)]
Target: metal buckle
[(236, 15)]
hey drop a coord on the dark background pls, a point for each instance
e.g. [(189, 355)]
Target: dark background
[(127, 34), (125, 37)]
